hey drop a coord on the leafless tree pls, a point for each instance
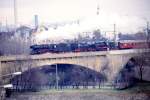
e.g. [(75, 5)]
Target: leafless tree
[(14, 44), (142, 63), (97, 34)]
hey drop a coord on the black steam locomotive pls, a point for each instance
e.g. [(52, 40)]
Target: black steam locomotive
[(86, 46), (68, 47)]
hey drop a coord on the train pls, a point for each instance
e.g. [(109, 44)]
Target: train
[(87, 46)]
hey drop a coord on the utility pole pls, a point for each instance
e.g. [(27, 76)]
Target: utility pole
[(115, 36), (56, 77), (15, 14), (7, 29), (148, 34), (115, 32), (147, 29)]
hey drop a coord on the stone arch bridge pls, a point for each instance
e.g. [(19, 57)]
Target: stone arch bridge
[(114, 60)]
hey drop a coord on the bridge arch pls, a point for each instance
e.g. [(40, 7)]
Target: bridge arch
[(93, 63), (74, 75)]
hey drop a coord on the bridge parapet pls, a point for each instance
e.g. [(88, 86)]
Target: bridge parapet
[(70, 55)]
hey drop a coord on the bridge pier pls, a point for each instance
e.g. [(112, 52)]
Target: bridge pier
[(116, 64)]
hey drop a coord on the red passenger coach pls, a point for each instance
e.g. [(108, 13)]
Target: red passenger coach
[(132, 44)]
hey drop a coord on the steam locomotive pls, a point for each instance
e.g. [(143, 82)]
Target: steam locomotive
[(87, 46)]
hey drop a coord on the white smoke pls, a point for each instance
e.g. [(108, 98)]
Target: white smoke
[(105, 22)]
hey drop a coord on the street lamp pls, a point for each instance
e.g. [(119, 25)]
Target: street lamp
[(5, 91), (4, 88), (7, 86), (15, 73)]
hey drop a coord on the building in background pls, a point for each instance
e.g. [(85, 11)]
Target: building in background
[(36, 22)]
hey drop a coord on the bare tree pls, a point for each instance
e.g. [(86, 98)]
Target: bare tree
[(13, 43), (97, 34), (141, 63)]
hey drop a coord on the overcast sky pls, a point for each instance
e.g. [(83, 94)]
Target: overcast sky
[(63, 10)]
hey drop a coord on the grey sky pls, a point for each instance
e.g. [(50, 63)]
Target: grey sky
[(60, 10)]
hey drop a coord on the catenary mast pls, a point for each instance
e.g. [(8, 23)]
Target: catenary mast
[(15, 14)]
